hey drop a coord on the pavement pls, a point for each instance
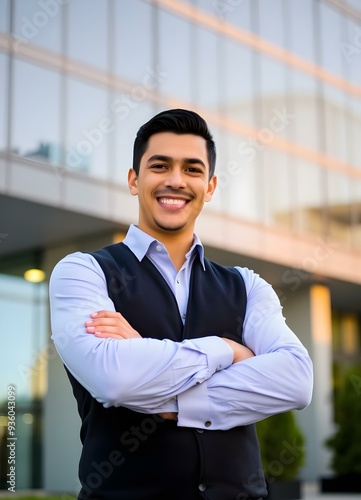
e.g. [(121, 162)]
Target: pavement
[(310, 491)]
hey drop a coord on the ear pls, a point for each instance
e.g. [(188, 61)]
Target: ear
[(133, 182), (212, 184)]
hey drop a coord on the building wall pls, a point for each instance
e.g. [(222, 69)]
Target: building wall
[(279, 84)]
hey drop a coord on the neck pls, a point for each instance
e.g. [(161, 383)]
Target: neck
[(177, 244), (177, 249)]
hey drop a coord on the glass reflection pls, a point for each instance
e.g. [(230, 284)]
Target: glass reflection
[(133, 25), (309, 201), (88, 128), (208, 72), (356, 213), (38, 23), (175, 59), (305, 129), (237, 82), (330, 35), (353, 111), (278, 188), (36, 112), (301, 31), (127, 125), (3, 100), (239, 178), (336, 119), (88, 32), (351, 49), (338, 207), (4, 15), (271, 21), (24, 366)]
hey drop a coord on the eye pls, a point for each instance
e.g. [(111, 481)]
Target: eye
[(158, 166), (194, 170)]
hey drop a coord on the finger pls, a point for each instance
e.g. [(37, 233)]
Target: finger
[(106, 314), (114, 331), (105, 322)]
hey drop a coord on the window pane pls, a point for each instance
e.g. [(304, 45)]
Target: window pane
[(36, 112), (351, 50), (237, 86), (356, 212), (128, 121), (88, 32), (4, 15), (3, 99), (278, 188), (271, 24), (23, 313), (305, 129), (300, 20), (309, 180), (236, 12), (133, 25), (175, 57), (88, 129), (330, 37), (207, 73), (276, 118), (335, 123), (339, 208), (353, 113), (239, 177), (39, 23)]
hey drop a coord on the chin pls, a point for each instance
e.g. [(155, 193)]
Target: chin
[(173, 228)]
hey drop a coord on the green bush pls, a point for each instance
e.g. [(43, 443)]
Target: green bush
[(346, 442), (282, 446)]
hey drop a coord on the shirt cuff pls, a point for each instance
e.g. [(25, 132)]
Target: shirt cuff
[(193, 404), (219, 353), (193, 408)]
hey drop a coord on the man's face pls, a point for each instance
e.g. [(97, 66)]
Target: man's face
[(172, 184)]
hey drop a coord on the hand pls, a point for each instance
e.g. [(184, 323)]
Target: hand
[(110, 324), (240, 352)]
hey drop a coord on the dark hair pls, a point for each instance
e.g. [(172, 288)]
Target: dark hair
[(178, 121)]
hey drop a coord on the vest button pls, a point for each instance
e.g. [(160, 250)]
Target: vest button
[(208, 423), (202, 487)]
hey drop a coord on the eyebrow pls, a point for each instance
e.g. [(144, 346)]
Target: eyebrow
[(169, 159)]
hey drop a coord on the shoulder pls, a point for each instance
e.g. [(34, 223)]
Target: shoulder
[(257, 288), (75, 265)]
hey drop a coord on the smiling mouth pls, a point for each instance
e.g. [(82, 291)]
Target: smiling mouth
[(172, 202)]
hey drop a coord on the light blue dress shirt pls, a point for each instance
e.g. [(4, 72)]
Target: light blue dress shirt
[(196, 377)]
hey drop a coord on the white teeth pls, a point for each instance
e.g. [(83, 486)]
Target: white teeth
[(172, 201)]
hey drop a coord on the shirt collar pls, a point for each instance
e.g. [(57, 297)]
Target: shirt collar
[(140, 242)]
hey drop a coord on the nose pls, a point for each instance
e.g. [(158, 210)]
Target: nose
[(175, 179)]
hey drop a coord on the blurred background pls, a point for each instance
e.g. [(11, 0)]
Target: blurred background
[(279, 83)]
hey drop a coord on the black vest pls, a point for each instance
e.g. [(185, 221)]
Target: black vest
[(133, 456)]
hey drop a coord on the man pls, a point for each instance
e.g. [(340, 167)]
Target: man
[(172, 358)]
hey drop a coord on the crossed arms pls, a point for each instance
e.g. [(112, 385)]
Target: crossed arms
[(202, 380)]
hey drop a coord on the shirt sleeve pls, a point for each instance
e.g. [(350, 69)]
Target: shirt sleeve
[(143, 374), (279, 378)]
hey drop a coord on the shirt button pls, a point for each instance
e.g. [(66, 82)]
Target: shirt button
[(208, 423), (183, 316), (218, 368), (202, 487), (177, 282), (158, 248)]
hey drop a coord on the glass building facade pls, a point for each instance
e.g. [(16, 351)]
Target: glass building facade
[(279, 83)]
